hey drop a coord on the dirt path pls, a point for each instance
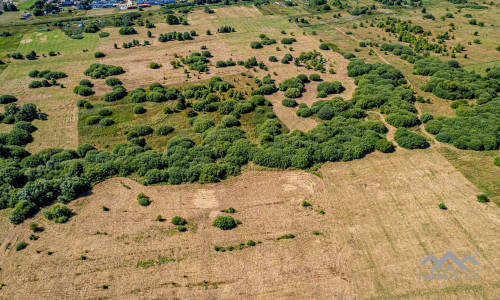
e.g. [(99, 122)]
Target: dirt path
[(392, 130)]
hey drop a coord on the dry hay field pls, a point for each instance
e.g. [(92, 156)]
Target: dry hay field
[(381, 221)]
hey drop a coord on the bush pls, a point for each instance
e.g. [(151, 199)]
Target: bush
[(324, 47), (255, 45), (314, 77), (289, 102), (58, 213), (113, 81), (102, 71), (334, 87), (409, 140), (154, 65), (92, 120), (142, 130), (143, 199), (21, 245), (103, 34), (164, 130), (86, 82), (6, 99), (293, 93), (82, 90), (104, 112), (442, 206), (24, 125), (225, 222), (384, 146), (202, 125), (35, 84), (181, 228), (178, 221), (106, 122), (99, 55), (127, 30), (273, 59), (482, 198), (426, 117), (288, 41), (229, 121), (139, 109), (22, 210)]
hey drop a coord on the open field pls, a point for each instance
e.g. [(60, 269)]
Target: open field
[(376, 230), (361, 224)]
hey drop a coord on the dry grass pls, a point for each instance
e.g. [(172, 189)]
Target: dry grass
[(381, 220)]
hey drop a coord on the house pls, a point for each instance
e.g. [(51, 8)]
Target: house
[(25, 16), (150, 2), (160, 2)]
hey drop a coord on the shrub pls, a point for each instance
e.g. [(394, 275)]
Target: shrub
[(289, 102), (102, 71), (314, 77), (139, 109), (103, 34), (104, 112), (251, 243), (164, 130), (324, 47), (334, 87), (82, 90), (225, 222), (229, 121), (92, 120), (99, 55), (384, 146), (58, 213), (106, 122), (143, 199), (6, 99), (21, 245), (156, 97), (142, 130), (255, 45), (292, 93), (178, 221), (288, 41), (273, 59), (86, 82), (202, 125), (154, 65), (482, 198), (113, 81), (409, 140), (22, 210), (35, 84), (24, 125), (426, 117), (181, 228), (442, 206), (34, 227), (127, 30)]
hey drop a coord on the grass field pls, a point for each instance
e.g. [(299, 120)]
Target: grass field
[(376, 231)]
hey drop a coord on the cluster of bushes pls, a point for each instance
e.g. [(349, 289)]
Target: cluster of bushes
[(223, 64), (319, 5), (143, 200), (82, 90), (312, 60), (264, 40), (127, 30), (450, 81), (6, 99), (176, 36), (288, 41), (383, 86), (58, 213), (225, 29), (47, 74), (241, 246), (293, 87), (225, 222), (409, 140), (473, 128), (102, 71), (404, 52), (327, 88), (197, 61), (328, 109)]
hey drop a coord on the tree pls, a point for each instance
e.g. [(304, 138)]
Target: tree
[(225, 222)]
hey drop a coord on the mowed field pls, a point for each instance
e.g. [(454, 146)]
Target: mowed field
[(381, 221)]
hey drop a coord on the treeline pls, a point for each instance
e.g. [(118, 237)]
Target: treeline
[(176, 36)]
